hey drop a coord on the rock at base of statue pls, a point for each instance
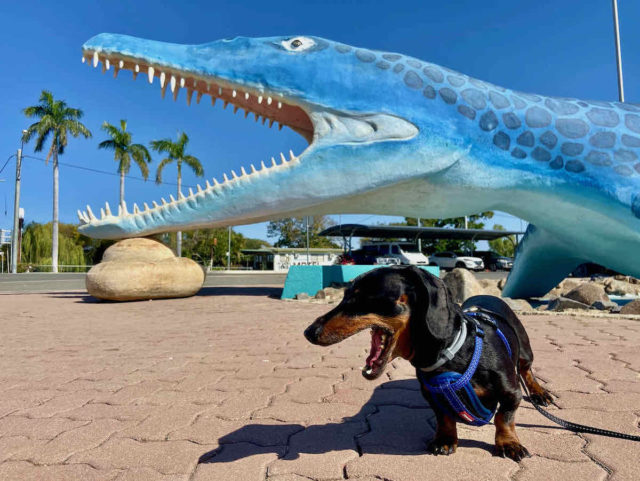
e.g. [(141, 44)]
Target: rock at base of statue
[(462, 284), (142, 269), (632, 307), (587, 293)]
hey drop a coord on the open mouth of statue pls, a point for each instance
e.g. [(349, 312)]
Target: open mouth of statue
[(260, 105)]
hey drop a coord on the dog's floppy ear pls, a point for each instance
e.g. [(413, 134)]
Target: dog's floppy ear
[(435, 311)]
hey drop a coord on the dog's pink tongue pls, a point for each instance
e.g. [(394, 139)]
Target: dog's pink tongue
[(376, 347)]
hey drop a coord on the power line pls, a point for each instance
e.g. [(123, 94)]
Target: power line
[(7, 161), (98, 171)]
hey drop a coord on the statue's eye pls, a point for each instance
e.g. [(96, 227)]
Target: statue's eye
[(298, 44)]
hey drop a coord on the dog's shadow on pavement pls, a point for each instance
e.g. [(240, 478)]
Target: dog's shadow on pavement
[(395, 420)]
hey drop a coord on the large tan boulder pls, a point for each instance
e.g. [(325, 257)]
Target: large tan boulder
[(140, 269), (587, 293), (462, 284), (632, 307)]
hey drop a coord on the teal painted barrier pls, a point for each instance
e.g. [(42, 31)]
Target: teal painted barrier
[(310, 279)]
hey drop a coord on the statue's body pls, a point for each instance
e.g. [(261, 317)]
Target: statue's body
[(398, 136)]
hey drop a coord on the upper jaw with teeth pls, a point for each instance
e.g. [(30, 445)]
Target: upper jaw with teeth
[(263, 104)]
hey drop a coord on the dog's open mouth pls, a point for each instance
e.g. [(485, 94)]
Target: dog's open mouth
[(381, 344)]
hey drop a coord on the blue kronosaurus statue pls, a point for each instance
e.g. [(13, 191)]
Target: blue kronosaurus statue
[(390, 134)]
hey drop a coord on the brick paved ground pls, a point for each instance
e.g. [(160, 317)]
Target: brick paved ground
[(224, 387)]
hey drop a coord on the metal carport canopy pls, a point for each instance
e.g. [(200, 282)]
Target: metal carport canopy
[(413, 233)]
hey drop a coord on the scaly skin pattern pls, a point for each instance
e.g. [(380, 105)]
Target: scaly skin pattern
[(395, 135)]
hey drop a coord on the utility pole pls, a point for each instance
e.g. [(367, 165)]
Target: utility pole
[(616, 33), (16, 216), (229, 251), (419, 238)]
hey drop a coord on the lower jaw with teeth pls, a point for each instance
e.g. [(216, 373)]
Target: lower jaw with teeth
[(376, 358)]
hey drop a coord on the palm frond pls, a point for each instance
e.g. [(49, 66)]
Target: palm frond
[(195, 165), (163, 163)]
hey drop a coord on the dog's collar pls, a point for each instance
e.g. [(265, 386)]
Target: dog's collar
[(450, 352)]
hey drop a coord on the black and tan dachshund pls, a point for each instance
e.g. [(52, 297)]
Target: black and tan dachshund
[(411, 315)]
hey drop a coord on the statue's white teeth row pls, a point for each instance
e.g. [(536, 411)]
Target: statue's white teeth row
[(175, 82), (212, 188)]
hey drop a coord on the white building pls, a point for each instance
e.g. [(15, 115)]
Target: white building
[(279, 259)]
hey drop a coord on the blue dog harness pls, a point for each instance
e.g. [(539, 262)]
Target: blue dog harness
[(451, 391)]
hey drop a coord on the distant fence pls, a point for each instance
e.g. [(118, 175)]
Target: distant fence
[(25, 267)]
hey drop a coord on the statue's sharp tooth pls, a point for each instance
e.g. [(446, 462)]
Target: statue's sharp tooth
[(244, 172), (136, 68), (91, 216), (259, 99), (146, 207), (213, 101), (190, 192), (253, 169), (215, 181), (102, 214), (219, 91), (233, 173), (271, 123), (96, 59), (135, 209), (124, 208), (264, 119), (107, 209), (235, 109), (81, 217), (182, 82), (284, 160), (83, 61), (208, 184), (116, 70), (224, 176), (246, 95), (273, 162), (189, 95), (164, 202), (199, 189), (246, 113), (199, 96), (293, 157), (279, 126), (163, 79), (173, 199), (264, 167), (150, 72), (173, 82), (269, 100), (256, 116), (155, 204), (279, 105), (121, 64), (107, 64), (234, 93)]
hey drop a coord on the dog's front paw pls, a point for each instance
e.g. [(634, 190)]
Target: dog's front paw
[(513, 450), (442, 445), (542, 397)]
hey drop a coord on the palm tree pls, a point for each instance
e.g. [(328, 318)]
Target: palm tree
[(176, 151), (120, 143), (59, 120)]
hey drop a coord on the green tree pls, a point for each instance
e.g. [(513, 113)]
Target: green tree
[(36, 246), (505, 246), (292, 232), (209, 246), (176, 152), (58, 120), (437, 245), (125, 151)]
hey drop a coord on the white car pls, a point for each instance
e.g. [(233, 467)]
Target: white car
[(451, 260), (405, 253)]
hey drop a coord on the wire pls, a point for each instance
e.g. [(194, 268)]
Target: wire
[(98, 171), (7, 161)]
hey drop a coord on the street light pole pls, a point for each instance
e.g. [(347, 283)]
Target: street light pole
[(16, 215), (616, 33), (229, 251)]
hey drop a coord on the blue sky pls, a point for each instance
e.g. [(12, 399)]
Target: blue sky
[(562, 48)]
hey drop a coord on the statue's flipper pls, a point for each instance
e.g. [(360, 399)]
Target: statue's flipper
[(541, 262)]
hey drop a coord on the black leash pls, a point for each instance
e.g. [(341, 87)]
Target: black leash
[(576, 428)]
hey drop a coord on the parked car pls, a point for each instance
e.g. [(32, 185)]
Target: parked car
[(451, 260), (494, 261), (405, 253)]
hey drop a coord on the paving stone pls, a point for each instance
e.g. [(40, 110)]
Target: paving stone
[(241, 461), (537, 468), (14, 445), (397, 429), (21, 471), (47, 428), (166, 457), (619, 455), (312, 413), (148, 474)]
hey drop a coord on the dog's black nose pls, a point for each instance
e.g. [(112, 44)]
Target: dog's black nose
[(312, 332)]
